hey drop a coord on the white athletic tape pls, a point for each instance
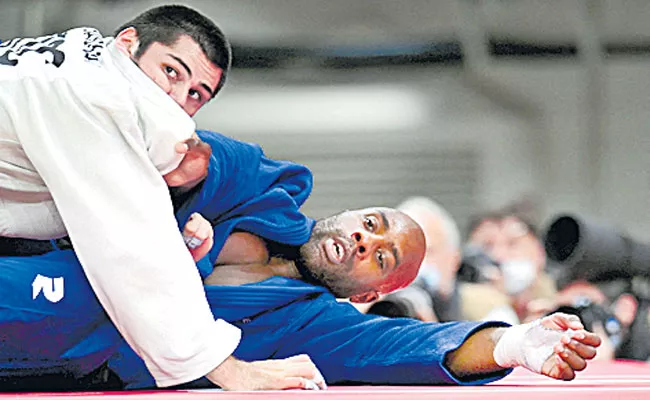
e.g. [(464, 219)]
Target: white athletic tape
[(527, 345), (311, 385), (192, 242)]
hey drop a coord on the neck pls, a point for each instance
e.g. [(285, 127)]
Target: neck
[(234, 275)]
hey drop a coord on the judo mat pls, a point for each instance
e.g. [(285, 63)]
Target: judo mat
[(600, 381)]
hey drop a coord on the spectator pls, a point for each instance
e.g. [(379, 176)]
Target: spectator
[(437, 274), (510, 239)]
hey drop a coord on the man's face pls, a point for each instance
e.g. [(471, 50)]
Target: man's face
[(182, 70), (375, 249), (509, 239)]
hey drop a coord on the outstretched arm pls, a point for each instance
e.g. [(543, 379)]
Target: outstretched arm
[(556, 346)]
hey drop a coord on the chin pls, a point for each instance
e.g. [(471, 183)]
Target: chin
[(313, 255)]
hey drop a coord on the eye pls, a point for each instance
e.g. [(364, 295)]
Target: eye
[(196, 95), (171, 72), (370, 223), (381, 259)]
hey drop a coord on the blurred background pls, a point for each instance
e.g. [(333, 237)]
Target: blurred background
[(472, 103)]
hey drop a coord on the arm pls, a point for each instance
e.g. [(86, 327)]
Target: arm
[(103, 178), (555, 346), (117, 211), (474, 356), (349, 346)]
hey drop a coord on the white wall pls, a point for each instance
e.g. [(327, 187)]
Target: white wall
[(544, 151)]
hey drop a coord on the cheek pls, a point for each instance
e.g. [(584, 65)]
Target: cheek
[(365, 271), (190, 110)]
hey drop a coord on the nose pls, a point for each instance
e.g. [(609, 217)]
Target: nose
[(365, 243)]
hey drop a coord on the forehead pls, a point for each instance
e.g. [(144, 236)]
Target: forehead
[(507, 228), (396, 220), (184, 45)]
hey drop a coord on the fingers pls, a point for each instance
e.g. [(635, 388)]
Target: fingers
[(197, 226), (557, 368), (570, 357), (561, 321), (198, 236), (300, 383), (588, 338), (583, 343), (303, 368), (181, 148), (193, 145)]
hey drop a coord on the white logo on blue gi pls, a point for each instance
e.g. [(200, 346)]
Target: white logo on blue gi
[(52, 288)]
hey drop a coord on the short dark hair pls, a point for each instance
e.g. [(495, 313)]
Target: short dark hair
[(165, 24)]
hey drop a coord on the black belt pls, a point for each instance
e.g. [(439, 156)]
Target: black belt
[(31, 247), (103, 378)]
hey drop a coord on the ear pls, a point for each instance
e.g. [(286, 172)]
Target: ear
[(540, 255), (457, 260), (127, 41), (367, 297), (625, 309)]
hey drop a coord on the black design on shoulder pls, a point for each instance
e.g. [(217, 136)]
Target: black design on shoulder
[(11, 52), (93, 44)]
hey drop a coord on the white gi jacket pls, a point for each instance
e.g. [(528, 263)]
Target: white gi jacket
[(85, 136)]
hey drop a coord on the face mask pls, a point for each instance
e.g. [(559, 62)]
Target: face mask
[(429, 277), (518, 275)]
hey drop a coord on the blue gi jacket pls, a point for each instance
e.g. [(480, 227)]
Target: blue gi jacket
[(248, 191), (243, 190), (46, 332), (279, 317)]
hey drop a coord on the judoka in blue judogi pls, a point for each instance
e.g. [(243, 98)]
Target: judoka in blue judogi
[(51, 322)]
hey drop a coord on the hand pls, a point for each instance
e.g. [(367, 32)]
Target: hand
[(556, 346), (198, 236), (297, 372), (194, 166), (574, 347)]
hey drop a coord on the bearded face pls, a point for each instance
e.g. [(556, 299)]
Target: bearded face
[(374, 250), (332, 275)]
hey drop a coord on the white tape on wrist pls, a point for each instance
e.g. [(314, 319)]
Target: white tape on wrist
[(527, 345)]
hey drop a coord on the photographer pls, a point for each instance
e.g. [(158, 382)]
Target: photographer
[(519, 261), (610, 269), (608, 310)]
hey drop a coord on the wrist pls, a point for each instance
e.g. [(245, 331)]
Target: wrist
[(509, 344), (224, 373), (527, 345)]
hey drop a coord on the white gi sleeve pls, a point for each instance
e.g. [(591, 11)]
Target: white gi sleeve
[(117, 211)]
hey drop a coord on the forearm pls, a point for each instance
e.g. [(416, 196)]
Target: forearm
[(116, 208), (476, 355)]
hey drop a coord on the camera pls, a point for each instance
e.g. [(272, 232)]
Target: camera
[(594, 252), (476, 265)]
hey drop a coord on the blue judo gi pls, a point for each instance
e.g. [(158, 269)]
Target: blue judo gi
[(279, 317), (68, 332)]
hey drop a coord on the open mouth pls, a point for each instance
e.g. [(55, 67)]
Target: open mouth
[(335, 250)]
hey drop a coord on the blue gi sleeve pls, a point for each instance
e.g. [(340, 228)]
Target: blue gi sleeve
[(349, 346), (346, 345), (245, 190)]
